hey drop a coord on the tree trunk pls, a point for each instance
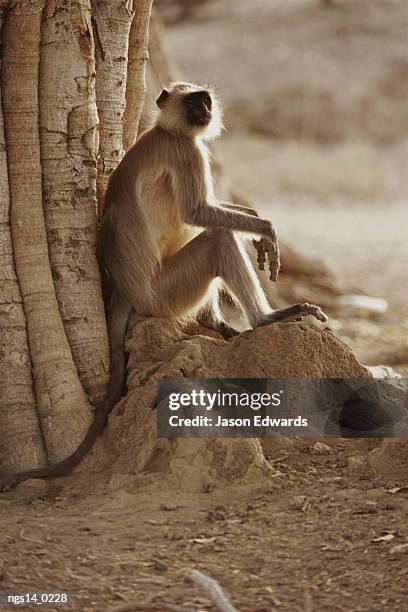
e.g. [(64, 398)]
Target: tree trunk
[(21, 443), (68, 133), (61, 401), (111, 21), (136, 81), (52, 313)]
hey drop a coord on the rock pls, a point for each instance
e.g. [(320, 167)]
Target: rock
[(356, 465), (274, 447), (298, 502), (399, 548), (382, 371), (168, 507), (32, 489), (320, 448), (161, 348)]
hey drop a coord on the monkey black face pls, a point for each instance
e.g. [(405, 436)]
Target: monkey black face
[(197, 107)]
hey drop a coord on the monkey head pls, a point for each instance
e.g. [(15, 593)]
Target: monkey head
[(190, 109)]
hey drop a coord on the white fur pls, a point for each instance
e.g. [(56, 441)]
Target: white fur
[(171, 116)]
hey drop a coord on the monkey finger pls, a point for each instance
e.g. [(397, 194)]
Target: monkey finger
[(274, 272), (274, 246), (261, 253), (274, 263)]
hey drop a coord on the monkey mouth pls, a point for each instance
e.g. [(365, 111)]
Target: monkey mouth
[(199, 118), (202, 120)]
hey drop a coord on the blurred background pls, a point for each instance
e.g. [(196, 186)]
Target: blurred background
[(315, 94)]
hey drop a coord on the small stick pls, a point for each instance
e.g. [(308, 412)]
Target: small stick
[(131, 606), (214, 590)]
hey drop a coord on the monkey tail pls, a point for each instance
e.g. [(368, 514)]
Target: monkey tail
[(118, 319), (62, 468)]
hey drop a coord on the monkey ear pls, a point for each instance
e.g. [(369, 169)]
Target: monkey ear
[(162, 98)]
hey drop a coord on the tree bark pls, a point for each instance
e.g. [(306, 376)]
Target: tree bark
[(69, 140), (136, 79), (61, 401), (111, 22), (21, 443)]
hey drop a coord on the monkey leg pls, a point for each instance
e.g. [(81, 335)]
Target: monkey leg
[(239, 275), (221, 327), (183, 282), (210, 315), (182, 285)]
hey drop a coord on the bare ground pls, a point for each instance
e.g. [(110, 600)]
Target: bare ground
[(312, 540)]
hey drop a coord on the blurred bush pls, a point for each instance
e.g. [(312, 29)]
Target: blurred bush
[(173, 11)]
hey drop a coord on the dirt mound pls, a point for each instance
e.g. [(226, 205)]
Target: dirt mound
[(390, 459), (160, 348)]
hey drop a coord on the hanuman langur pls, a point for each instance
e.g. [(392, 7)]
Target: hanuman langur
[(165, 240)]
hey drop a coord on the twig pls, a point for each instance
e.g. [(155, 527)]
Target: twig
[(129, 578), (23, 537), (131, 606), (279, 459), (214, 590)]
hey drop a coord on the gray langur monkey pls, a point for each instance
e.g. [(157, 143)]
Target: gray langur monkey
[(166, 241)]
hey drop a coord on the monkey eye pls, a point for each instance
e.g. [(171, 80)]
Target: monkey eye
[(207, 100)]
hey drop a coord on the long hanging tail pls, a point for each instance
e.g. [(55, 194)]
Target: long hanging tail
[(66, 465), (118, 318)]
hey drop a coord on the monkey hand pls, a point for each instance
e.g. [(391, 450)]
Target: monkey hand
[(268, 247)]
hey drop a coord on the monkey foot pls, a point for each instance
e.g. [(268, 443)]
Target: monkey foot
[(295, 313), (227, 331)]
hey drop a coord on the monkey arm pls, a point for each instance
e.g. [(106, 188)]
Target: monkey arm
[(207, 215), (264, 246), (239, 208), (191, 181), (244, 219)]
